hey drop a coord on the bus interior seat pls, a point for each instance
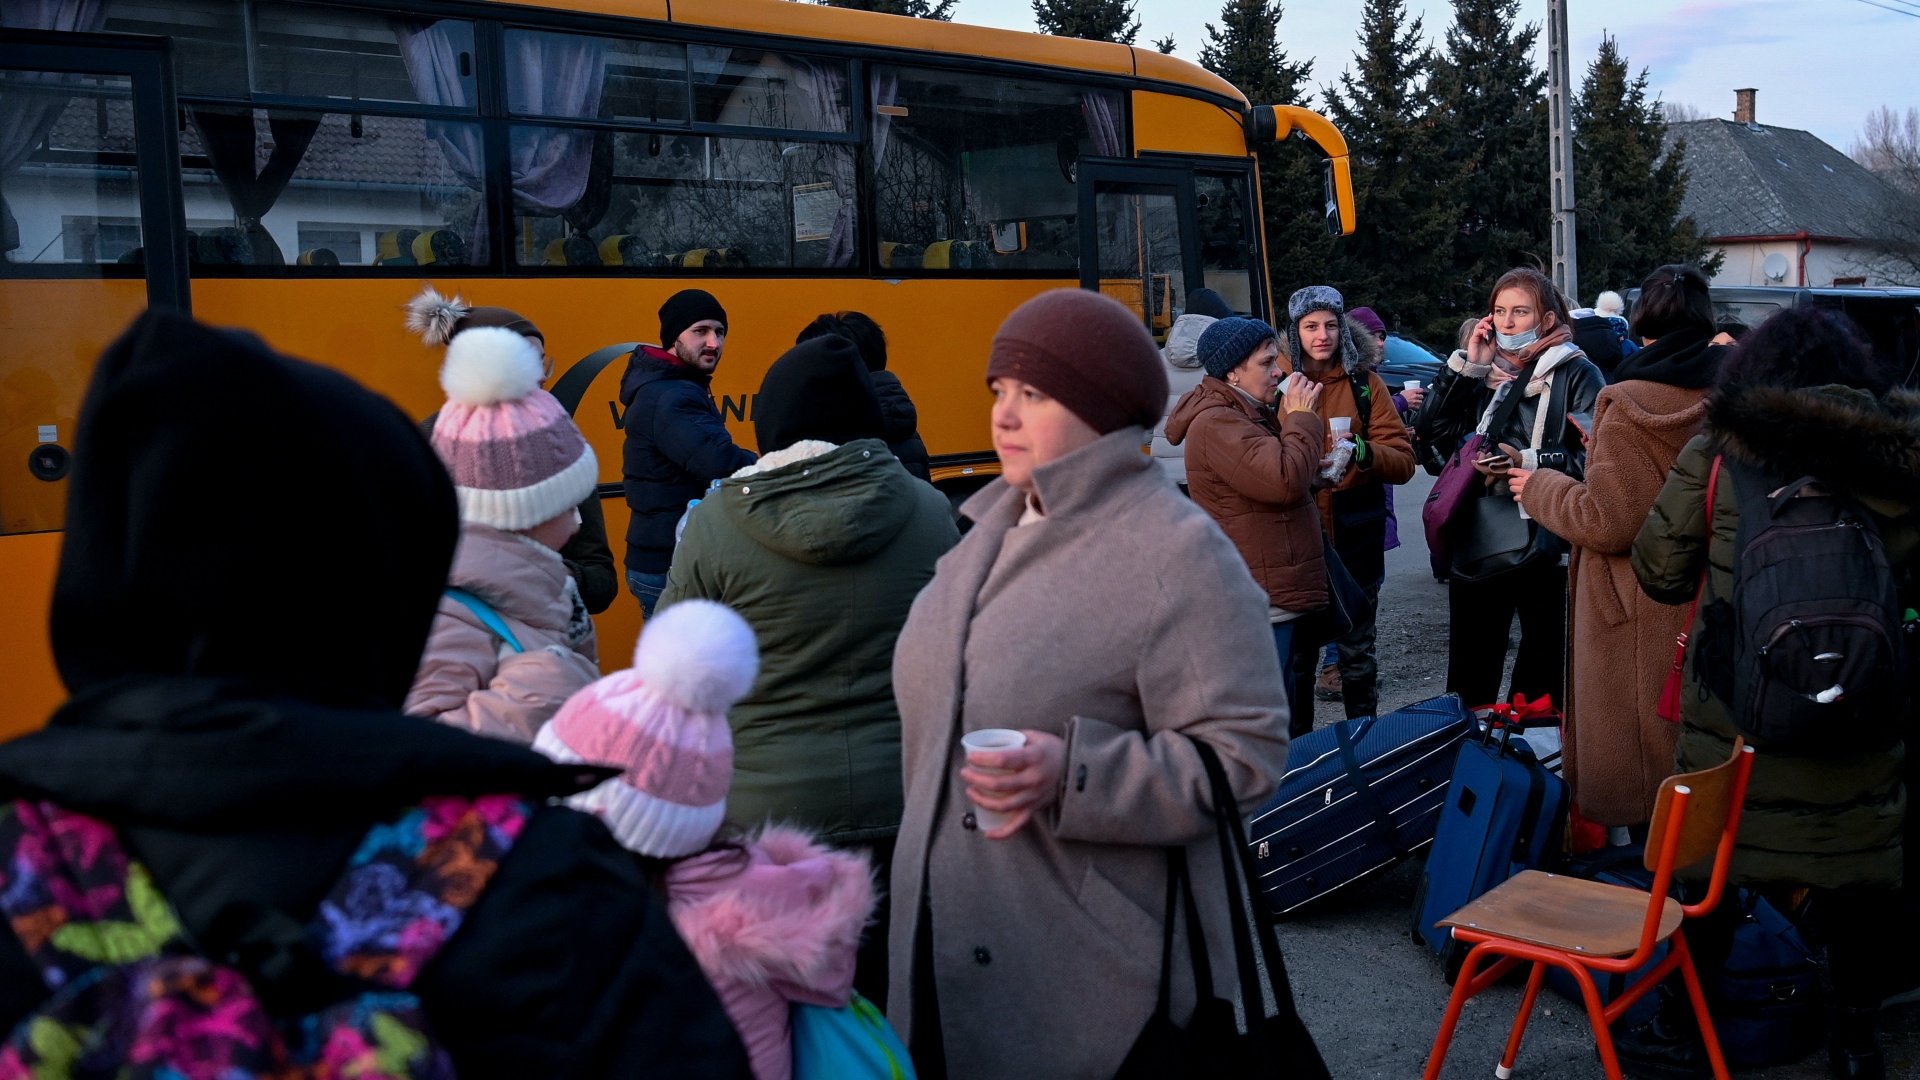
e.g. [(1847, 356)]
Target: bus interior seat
[(395, 247), (442, 246), (319, 257)]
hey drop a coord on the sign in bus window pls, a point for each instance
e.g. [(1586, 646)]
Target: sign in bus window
[(978, 172), (571, 75), (324, 190), (654, 201)]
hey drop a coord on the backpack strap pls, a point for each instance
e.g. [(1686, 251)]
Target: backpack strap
[(488, 617), (408, 887), (73, 897)]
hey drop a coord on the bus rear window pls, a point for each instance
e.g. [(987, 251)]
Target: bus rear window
[(977, 172)]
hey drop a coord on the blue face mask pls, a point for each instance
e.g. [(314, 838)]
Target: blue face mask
[(1516, 342)]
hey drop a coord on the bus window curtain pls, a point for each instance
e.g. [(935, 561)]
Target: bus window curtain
[(824, 87), (232, 145), (548, 75), (25, 118), (1101, 108)]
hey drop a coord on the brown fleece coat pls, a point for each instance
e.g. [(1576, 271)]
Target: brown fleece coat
[(1390, 457), (1255, 479), (1621, 646)]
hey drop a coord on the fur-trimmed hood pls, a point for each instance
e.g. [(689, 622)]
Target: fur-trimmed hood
[(1866, 445), (784, 912)]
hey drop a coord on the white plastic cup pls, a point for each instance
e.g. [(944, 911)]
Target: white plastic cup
[(991, 739), (1341, 425), (1410, 384)]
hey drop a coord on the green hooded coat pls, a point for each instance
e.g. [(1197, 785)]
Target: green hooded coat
[(1834, 817), (822, 550)]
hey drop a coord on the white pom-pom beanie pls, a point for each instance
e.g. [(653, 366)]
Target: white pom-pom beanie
[(663, 723), (516, 457)]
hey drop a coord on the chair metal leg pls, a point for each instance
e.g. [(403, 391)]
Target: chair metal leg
[(1701, 1015), (1462, 990), (1534, 979), (1597, 1017)]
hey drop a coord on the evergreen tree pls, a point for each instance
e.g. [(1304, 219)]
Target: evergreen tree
[(1628, 192), (1095, 20), (1400, 257), (1491, 120), (1165, 45), (1245, 50), (941, 10)]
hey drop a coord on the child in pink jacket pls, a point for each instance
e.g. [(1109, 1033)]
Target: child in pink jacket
[(774, 919), (512, 640)]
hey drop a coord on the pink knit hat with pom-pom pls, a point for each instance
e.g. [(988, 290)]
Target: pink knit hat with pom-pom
[(516, 457), (663, 723)]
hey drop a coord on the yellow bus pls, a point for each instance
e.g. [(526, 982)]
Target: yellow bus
[(299, 169)]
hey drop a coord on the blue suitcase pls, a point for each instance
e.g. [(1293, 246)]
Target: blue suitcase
[(1505, 812), (1357, 797)]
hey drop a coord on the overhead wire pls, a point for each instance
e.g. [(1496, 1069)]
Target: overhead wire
[(1889, 6)]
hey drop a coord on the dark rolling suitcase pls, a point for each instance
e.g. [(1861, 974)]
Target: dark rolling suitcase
[(1505, 812), (1357, 797)]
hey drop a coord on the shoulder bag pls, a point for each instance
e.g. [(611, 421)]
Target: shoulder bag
[(1266, 1038)]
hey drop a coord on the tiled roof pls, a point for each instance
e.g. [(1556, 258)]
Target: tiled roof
[(1753, 180)]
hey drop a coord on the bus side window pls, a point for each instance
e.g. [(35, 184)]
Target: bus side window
[(977, 172)]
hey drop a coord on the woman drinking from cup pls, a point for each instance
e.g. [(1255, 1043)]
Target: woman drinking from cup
[(1253, 472), (1107, 623)]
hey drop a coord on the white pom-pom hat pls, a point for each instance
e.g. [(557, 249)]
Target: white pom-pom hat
[(663, 723), (516, 457)]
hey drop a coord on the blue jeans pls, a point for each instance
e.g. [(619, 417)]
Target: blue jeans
[(1283, 641), (647, 589)]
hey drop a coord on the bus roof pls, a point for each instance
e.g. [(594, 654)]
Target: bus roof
[(800, 19)]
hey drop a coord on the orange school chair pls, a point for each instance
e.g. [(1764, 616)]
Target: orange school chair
[(1587, 926)]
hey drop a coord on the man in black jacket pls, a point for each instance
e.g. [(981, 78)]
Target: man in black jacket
[(901, 419), (676, 442), (242, 740)]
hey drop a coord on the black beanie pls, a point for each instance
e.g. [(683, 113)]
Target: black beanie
[(683, 309), (819, 390)]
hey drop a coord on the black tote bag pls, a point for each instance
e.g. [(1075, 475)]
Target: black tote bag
[(1347, 605), (1270, 1042)]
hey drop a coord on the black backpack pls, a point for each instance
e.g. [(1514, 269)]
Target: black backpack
[(1809, 644)]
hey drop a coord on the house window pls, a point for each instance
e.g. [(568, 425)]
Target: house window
[(1842, 281)]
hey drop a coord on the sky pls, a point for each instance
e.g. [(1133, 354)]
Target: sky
[(1821, 65)]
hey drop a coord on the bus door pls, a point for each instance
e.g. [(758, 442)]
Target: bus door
[(91, 233), (1139, 239)]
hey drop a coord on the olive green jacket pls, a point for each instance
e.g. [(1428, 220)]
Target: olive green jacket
[(822, 550), (1833, 817)]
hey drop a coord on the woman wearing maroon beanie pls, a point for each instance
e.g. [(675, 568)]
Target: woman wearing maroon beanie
[(1104, 617)]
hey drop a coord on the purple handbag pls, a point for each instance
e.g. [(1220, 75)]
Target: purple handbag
[(1450, 493)]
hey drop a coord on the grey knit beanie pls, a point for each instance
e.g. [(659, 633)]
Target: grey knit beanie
[(1228, 342), (1320, 298)]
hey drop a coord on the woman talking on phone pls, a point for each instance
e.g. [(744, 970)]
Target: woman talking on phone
[(1525, 387)]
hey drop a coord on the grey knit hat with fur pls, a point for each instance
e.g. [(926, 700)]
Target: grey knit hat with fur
[(1320, 298)]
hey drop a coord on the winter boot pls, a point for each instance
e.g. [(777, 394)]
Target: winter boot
[(1329, 687), (1853, 1049), (1667, 1047)]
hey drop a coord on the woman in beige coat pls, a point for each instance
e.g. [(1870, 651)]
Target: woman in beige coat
[(1618, 749), (1105, 616)]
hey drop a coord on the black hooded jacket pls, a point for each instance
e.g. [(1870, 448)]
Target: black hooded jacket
[(676, 445), (244, 739)]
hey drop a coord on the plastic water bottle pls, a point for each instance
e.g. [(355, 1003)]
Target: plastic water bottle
[(680, 529)]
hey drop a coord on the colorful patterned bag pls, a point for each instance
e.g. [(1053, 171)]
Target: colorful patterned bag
[(132, 999)]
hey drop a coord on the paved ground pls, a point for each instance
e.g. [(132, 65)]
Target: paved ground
[(1372, 998)]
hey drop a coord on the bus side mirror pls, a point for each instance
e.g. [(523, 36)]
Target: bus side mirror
[(1270, 123)]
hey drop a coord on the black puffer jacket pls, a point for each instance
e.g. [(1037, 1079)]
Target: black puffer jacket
[(243, 743), (676, 445), (902, 424), (1565, 379)]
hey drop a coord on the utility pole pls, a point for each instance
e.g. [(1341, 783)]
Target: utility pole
[(1566, 267)]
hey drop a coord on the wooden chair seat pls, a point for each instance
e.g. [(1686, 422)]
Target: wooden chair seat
[(1586, 918)]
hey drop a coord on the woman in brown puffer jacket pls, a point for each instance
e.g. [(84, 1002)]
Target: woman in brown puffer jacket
[(1618, 749), (1253, 473)]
